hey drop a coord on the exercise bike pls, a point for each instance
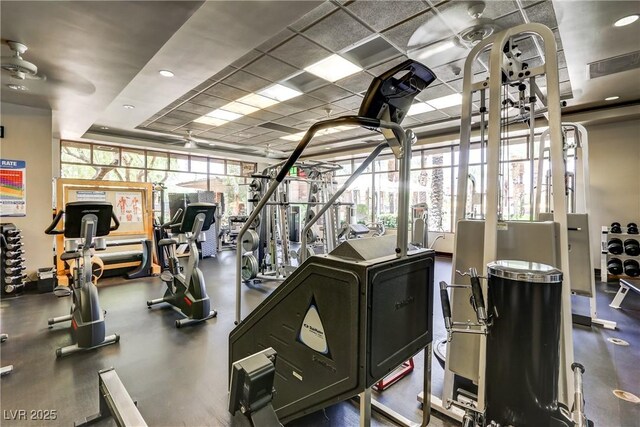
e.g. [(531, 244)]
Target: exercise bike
[(84, 227), (186, 290)]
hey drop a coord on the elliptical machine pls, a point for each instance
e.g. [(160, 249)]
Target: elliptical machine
[(186, 289), (84, 227)]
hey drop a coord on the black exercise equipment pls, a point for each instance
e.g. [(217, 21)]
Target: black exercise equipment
[(251, 390), (85, 225), (615, 228), (115, 402), (615, 246), (631, 268), (186, 289), (632, 228), (614, 266), (631, 247), (5, 370)]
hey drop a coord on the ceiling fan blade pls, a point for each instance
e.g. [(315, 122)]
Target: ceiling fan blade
[(442, 52)]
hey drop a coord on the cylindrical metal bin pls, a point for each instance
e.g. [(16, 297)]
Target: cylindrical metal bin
[(523, 344)]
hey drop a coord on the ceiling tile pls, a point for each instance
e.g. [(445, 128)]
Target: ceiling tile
[(303, 102), (265, 115), (197, 127), (563, 75), (160, 126), (562, 61), (511, 20), (350, 103), (183, 115), (194, 108), (212, 134), (204, 85), (336, 110), (356, 83), (166, 120), (306, 116), (565, 88), (220, 75), (314, 15), (248, 121), (558, 39), (452, 111), (401, 34), (300, 52), (212, 102), (282, 109), (244, 60), (433, 92), (270, 68), (330, 93), (231, 127), (276, 40), (187, 96), (246, 81), (306, 82), (497, 8), (337, 31), (379, 69), (225, 92), (448, 72), (431, 116), (375, 51), (287, 121), (381, 15), (542, 13)]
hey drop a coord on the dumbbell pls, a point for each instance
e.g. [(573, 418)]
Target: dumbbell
[(13, 239), (12, 233), (14, 254), (12, 262), (631, 247), (14, 246), (632, 228), (13, 270), (631, 268), (615, 228), (14, 280), (614, 246), (614, 266)]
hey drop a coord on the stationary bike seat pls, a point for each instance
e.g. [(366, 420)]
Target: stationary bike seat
[(167, 242), (70, 255)]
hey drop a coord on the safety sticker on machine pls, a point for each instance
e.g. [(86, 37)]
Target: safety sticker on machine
[(312, 330)]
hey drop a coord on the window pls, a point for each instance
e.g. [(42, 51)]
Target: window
[(156, 160), (199, 164), (132, 158), (216, 166), (75, 152), (106, 155), (233, 168), (178, 162)]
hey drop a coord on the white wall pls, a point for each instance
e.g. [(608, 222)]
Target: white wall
[(614, 171), (28, 137)]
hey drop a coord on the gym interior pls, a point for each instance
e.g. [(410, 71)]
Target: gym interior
[(320, 213)]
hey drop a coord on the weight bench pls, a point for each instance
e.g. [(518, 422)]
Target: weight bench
[(626, 285), (114, 402)]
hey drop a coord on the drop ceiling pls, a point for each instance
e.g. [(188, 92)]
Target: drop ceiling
[(219, 54)]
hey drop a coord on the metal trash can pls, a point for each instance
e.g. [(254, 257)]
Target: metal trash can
[(523, 344), (46, 279)]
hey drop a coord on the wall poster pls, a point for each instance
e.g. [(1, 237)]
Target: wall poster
[(128, 206), (13, 187)]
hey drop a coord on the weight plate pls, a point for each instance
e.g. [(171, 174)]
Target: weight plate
[(250, 241), (256, 222), (314, 187), (311, 236), (310, 214), (249, 267), (313, 199), (256, 185), (310, 252)]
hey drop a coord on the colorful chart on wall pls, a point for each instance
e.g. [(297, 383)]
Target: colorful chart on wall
[(128, 207), (13, 187)]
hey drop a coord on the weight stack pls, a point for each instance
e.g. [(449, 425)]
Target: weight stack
[(523, 344), (12, 262)]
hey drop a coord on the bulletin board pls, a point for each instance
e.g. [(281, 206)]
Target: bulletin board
[(132, 204)]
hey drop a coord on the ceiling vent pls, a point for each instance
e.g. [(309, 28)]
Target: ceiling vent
[(279, 128), (617, 64)]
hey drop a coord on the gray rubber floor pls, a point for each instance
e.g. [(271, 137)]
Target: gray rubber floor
[(179, 376)]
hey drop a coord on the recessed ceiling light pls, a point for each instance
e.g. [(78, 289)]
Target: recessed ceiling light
[(206, 120), (612, 98), (419, 108), (626, 20), (166, 73), (333, 68), (128, 106), (257, 101), (16, 87), (446, 101), (224, 115), (327, 148), (240, 108), (279, 92), (104, 127)]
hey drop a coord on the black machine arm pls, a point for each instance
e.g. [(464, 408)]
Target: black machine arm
[(51, 228), (116, 223)]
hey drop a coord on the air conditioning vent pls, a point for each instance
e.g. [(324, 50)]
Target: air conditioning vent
[(617, 64), (279, 128)]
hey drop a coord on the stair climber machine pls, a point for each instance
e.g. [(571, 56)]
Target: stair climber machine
[(341, 321), (514, 363), (85, 225), (186, 290)]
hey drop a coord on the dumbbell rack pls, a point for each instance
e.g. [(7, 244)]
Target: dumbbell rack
[(12, 262), (606, 255)]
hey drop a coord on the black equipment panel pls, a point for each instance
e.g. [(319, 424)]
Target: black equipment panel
[(396, 93), (193, 209), (74, 211)]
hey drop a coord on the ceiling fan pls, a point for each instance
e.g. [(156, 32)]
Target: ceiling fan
[(18, 67), (189, 141), (451, 33), (271, 153)]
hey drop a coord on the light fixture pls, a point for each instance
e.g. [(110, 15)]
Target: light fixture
[(258, 101), (206, 120), (626, 20), (16, 87), (279, 92), (435, 48), (327, 148), (104, 127), (419, 108), (333, 68), (224, 115), (297, 136), (166, 73), (446, 101), (240, 108), (128, 106), (612, 98)]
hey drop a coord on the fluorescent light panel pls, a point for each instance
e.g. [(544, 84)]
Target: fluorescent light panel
[(446, 101), (206, 120), (279, 92), (224, 115), (333, 68), (297, 136), (240, 108), (419, 108)]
